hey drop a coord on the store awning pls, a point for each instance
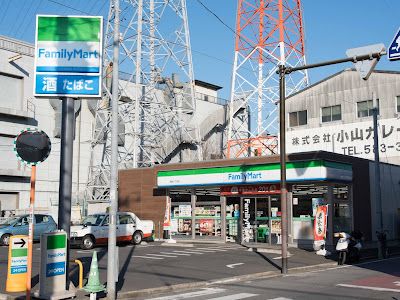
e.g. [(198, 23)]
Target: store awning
[(266, 173)]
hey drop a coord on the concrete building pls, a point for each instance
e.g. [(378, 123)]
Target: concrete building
[(335, 115), (20, 110), (239, 200)]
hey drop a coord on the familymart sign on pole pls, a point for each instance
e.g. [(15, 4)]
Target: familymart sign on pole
[(68, 56)]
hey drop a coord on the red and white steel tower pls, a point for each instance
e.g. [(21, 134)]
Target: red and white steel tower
[(269, 33)]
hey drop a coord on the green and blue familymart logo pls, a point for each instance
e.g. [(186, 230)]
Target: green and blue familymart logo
[(68, 55), (56, 255)]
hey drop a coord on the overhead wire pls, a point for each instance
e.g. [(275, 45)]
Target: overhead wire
[(5, 12), (15, 21), (24, 18), (217, 17), (32, 18)]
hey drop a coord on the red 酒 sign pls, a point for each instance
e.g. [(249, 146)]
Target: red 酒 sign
[(206, 225), (251, 189)]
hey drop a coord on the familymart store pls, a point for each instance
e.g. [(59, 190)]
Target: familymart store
[(242, 203)]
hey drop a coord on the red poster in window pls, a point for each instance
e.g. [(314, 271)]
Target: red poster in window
[(206, 225), (320, 224)]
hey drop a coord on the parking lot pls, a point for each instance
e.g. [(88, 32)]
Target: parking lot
[(156, 264)]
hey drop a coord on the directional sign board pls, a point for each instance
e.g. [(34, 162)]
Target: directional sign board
[(365, 67), (394, 48), (68, 56), (17, 263)]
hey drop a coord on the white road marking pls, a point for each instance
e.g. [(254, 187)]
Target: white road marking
[(369, 288), (161, 255), (136, 256), (280, 257), (203, 292), (233, 265), (188, 252), (211, 249), (175, 253), (194, 250), (281, 298), (234, 297)]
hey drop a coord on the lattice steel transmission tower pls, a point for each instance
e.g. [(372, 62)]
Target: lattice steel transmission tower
[(156, 92), (269, 33)]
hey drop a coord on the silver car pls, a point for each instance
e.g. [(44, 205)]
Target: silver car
[(19, 225)]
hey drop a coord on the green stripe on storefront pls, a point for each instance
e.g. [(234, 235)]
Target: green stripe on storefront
[(19, 252), (68, 29), (55, 241), (275, 166)]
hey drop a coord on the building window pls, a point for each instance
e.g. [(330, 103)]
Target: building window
[(298, 118), (364, 108), (331, 113), (398, 104)]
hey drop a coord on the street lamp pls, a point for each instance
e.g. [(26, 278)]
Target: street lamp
[(365, 61)]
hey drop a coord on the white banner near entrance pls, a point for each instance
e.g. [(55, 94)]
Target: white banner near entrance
[(355, 139)]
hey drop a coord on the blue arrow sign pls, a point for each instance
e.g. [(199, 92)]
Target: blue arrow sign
[(394, 48)]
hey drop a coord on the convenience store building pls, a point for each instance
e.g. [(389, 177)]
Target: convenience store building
[(238, 200)]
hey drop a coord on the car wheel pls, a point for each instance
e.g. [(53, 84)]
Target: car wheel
[(137, 238), (87, 242), (5, 239)]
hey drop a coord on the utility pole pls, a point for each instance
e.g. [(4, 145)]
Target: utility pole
[(66, 162), (377, 174), (282, 147), (283, 70), (112, 227)]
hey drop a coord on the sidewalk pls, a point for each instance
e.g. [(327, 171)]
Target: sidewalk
[(298, 260)]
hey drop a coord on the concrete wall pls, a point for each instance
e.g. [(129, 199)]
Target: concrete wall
[(390, 197), (346, 89)]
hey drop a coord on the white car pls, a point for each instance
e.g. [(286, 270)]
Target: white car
[(94, 230)]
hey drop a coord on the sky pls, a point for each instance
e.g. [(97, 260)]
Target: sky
[(331, 27)]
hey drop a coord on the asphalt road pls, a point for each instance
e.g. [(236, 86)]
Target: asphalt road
[(369, 280), (155, 265)]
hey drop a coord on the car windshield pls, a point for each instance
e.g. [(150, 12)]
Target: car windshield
[(10, 220), (93, 220)]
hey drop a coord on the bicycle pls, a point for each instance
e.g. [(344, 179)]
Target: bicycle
[(384, 244)]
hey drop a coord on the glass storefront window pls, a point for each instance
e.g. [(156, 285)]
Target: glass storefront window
[(208, 219), (342, 217), (232, 218)]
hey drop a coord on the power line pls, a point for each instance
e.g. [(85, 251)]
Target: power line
[(67, 6), (216, 16), (16, 19), (30, 22), (20, 23), (5, 12)]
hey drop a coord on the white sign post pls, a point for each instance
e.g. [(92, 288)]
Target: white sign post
[(68, 56)]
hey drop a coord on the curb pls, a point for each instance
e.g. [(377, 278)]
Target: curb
[(267, 250), (159, 290)]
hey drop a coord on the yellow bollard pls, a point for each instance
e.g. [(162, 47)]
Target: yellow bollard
[(17, 264), (80, 271)]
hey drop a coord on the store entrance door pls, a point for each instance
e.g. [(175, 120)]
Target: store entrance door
[(261, 219)]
